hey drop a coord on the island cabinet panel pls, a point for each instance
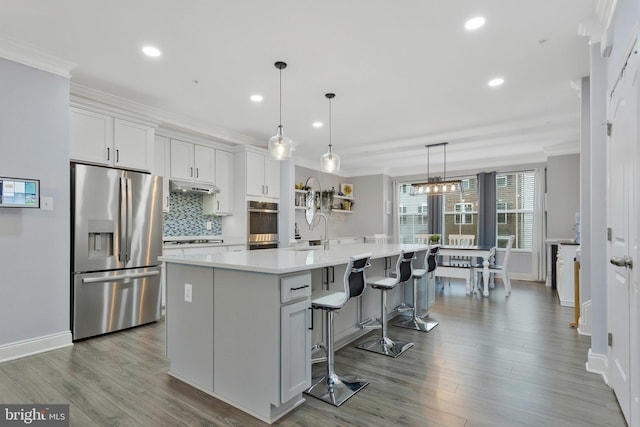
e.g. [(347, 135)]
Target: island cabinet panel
[(295, 349), (262, 342), (190, 324)]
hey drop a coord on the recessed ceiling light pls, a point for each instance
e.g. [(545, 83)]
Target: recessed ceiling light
[(317, 124), (474, 23), (256, 98), (151, 51), (498, 81)]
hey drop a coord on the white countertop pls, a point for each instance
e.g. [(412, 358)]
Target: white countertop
[(288, 260)]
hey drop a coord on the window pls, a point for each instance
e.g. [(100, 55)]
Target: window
[(515, 209), (501, 208), (460, 210), (463, 218), (413, 214)]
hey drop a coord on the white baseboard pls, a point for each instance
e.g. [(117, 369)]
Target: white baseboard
[(584, 323), (32, 346), (598, 364)]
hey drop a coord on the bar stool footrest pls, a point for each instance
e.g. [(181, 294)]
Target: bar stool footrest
[(403, 307), (371, 323)]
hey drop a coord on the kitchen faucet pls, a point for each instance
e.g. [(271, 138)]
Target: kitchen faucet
[(326, 230)]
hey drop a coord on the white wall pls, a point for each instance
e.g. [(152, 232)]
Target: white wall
[(34, 244), (563, 195), (368, 217)]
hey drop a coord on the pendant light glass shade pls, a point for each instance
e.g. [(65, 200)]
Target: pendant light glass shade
[(280, 147), (330, 161)]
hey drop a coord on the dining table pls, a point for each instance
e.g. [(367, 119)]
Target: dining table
[(474, 253)]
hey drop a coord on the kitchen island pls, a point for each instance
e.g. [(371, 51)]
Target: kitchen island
[(238, 323)]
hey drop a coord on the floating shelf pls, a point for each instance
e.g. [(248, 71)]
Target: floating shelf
[(342, 197), (341, 211)]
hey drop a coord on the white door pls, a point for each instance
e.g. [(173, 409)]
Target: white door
[(272, 177), (91, 137), (622, 277), (181, 160), (205, 163), (133, 145), (224, 181), (255, 174)]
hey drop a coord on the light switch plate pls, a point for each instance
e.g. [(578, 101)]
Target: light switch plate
[(188, 296), (46, 203)]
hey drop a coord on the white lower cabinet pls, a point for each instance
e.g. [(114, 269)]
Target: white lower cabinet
[(295, 349), (564, 274)]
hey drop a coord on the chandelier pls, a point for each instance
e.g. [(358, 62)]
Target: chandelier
[(434, 186)]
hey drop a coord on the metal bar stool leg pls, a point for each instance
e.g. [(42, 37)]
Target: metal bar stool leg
[(414, 322), (330, 387), (385, 345)]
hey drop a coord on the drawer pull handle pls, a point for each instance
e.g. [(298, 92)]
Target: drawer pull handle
[(299, 287)]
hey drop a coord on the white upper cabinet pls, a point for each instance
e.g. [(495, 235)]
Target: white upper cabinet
[(133, 145), (101, 139), (221, 203), (205, 164), (224, 181), (192, 162), (263, 176), (161, 167)]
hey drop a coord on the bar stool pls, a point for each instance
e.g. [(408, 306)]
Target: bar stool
[(425, 323), (385, 345), (330, 387)]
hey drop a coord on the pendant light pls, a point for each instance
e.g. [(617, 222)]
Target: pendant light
[(330, 161), (280, 147), (435, 186)]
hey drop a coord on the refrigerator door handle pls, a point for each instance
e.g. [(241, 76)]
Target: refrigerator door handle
[(122, 226), (120, 277), (129, 219)]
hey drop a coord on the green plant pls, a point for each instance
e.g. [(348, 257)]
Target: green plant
[(434, 238)]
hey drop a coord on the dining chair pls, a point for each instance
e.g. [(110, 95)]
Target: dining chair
[(463, 241), (501, 270), (422, 238), (380, 238)]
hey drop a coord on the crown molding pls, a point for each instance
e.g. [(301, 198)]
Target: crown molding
[(32, 56), (83, 94)]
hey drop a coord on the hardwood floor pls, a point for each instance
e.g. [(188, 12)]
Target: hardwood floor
[(491, 362)]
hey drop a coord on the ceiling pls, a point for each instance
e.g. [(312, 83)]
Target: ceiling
[(405, 73)]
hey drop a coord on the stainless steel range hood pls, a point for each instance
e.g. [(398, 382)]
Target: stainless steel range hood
[(177, 186)]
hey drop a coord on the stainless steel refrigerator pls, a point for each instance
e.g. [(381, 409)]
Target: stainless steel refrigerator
[(116, 241)]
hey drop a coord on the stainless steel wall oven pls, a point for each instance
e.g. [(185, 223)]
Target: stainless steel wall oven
[(262, 221)]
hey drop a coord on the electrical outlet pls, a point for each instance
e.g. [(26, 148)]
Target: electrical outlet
[(188, 292), (209, 225)]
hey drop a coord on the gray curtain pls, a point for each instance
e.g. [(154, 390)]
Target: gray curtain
[(487, 217), (434, 203)]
